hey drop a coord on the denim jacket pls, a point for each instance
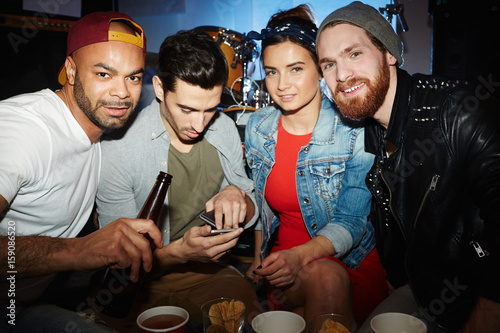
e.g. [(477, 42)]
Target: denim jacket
[(330, 179)]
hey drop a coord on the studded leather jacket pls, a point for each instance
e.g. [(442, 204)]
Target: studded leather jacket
[(436, 207)]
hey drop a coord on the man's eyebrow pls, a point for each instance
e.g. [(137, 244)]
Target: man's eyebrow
[(182, 106), (115, 71), (137, 71), (350, 48), (344, 51), (106, 67), (325, 59)]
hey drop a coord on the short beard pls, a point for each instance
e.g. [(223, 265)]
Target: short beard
[(85, 105), (357, 108)]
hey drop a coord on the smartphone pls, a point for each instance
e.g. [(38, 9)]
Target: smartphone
[(209, 217)]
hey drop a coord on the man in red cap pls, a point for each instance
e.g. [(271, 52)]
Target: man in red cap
[(49, 169)]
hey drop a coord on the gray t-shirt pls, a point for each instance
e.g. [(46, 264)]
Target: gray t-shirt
[(198, 177)]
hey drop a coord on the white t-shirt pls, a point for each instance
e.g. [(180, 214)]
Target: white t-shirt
[(49, 171)]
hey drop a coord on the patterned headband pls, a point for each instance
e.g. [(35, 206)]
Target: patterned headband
[(306, 34)]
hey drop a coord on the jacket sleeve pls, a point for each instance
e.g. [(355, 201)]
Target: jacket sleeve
[(349, 223), (249, 139), (475, 136)]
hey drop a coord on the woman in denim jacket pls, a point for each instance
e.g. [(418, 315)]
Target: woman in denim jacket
[(309, 169)]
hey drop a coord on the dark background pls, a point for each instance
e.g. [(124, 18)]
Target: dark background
[(31, 54), (465, 43), (466, 40)]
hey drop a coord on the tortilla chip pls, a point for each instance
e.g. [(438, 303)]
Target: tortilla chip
[(330, 326), (225, 314)]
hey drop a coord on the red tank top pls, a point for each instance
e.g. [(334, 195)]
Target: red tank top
[(281, 190)]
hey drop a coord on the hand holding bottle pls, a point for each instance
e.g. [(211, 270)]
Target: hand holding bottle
[(119, 245)]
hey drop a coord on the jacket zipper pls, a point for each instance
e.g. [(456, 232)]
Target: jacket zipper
[(479, 250), (432, 187)]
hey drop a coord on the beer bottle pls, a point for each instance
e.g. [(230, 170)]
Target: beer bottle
[(117, 293)]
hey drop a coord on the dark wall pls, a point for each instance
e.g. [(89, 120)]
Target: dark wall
[(33, 46), (30, 64), (466, 40)]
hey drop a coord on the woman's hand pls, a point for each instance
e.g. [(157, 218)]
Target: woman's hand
[(281, 268)]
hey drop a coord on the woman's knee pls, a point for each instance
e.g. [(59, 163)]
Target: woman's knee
[(328, 275)]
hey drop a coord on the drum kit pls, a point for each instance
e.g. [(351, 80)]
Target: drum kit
[(242, 93)]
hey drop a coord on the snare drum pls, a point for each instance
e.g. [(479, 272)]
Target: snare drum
[(235, 48)]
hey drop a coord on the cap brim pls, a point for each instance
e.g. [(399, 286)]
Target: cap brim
[(62, 75)]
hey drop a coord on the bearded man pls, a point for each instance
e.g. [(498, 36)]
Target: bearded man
[(436, 176)]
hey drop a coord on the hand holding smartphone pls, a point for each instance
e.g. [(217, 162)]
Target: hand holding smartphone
[(209, 217)]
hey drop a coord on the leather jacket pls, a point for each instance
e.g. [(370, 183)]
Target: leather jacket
[(436, 207)]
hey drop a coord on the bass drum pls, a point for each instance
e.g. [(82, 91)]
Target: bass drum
[(236, 49)]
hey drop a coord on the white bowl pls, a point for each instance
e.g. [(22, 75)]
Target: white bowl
[(394, 322), (278, 321)]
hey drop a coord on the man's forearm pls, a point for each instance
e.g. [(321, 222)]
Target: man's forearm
[(34, 255), (166, 257), (485, 317)]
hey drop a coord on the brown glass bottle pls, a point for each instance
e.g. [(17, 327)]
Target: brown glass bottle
[(117, 292)]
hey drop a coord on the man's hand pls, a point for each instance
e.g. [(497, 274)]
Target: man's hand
[(232, 203), (197, 244), (120, 244)]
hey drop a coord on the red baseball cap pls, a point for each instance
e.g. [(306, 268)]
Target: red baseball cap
[(94, 28)]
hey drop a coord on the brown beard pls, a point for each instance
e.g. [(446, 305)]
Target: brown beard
[(358, 107)]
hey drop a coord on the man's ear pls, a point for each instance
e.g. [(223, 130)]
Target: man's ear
[(158, 87), (70, 66), (391, 60)]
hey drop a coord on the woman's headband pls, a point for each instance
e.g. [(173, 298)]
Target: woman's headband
[(305, 34)]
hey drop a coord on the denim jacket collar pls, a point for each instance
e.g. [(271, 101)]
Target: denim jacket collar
[(324, 131)]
